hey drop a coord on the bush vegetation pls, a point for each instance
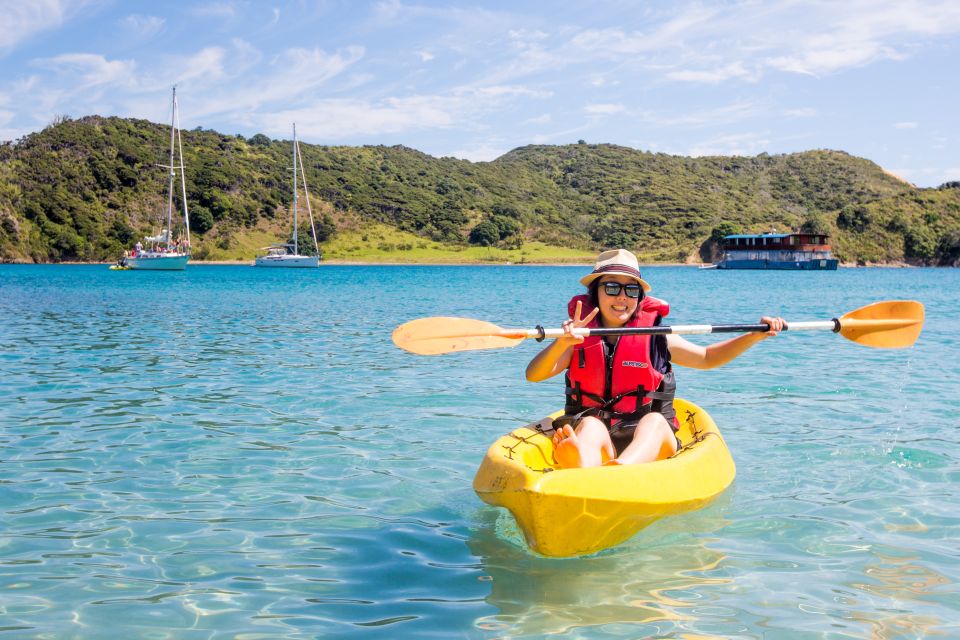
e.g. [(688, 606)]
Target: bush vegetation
[(85, 189)]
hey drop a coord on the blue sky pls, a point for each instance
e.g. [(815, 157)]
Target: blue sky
[(877, 79)]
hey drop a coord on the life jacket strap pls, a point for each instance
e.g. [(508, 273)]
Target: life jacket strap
[(604, 411)]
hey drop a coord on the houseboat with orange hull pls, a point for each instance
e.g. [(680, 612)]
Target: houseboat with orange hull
[(803, 251)]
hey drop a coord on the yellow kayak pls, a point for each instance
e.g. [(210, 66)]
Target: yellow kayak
[(569, 512)]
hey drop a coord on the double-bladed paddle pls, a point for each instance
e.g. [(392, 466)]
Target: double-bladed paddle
[(893, 324)]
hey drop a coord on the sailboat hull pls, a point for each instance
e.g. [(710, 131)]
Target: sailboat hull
[(288, 261), (177, 262)]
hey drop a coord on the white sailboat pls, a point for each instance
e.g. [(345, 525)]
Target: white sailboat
[(162, 251), (287, 254)]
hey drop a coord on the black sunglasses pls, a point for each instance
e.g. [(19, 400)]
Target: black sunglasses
[(613, 289)]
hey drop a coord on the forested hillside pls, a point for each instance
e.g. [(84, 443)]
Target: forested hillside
[(86, 189)]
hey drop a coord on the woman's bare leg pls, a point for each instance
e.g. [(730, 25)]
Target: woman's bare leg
[(653, 439), (588, 446)]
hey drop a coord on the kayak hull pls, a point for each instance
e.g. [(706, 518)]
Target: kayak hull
[(571, 512)]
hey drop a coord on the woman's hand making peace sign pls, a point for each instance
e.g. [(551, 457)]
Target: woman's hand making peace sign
[(556, 357), (576, 323)]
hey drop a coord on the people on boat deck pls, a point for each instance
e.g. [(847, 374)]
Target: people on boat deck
[(619, 389)]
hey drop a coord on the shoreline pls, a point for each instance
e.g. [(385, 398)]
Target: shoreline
[(386, 263)]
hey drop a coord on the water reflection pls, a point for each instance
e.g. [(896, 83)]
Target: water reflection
[(902, 580), (656, 583)]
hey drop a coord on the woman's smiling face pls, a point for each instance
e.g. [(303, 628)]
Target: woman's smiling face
[(617, 310)]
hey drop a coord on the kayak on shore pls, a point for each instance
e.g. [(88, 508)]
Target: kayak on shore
[(571, 512)]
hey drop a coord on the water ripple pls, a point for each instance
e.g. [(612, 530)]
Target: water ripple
[(252, 458)]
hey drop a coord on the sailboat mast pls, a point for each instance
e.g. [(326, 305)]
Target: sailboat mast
[(173, 116), (183, 185), (296, 250)]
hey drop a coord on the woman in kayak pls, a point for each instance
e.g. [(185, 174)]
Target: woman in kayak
[(619, 391)]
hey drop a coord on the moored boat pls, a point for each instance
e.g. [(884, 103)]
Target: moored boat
[(568, 512), (287, 254), (162, 252), (793, 251), (158, 261), (284, 255)]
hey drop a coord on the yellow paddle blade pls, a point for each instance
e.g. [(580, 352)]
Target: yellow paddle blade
[(432, 336), (893, 324)]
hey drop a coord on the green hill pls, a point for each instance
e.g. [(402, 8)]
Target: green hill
[(86, 189)]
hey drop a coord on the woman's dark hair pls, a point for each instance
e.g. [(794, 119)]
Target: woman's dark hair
[(594, 293)]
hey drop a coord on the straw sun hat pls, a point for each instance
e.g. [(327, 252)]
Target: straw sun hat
[(616, 262)]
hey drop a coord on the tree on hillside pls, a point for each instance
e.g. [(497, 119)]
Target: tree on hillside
[(725, 229), (485, 234), (816, 223), (710, 250)]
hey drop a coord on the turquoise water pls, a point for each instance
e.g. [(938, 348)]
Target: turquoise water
[(229, 452)]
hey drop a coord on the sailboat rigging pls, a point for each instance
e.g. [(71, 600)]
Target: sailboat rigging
[(162, 251), (287, 254)]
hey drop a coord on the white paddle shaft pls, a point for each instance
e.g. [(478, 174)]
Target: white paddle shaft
[(540, 333)]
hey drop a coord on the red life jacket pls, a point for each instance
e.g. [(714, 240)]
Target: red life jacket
[(631, 383)]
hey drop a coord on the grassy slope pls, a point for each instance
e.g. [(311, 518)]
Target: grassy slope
[(381, 243)]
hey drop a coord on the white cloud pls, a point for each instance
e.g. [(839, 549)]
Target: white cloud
[(615, 42), (745, 41), (342, 119), (742, 144), (562, 136), (142, 26), (543, 119), (831, 56), (339, 119), (526, 39), (951, 174), (207, 64), (905, 125), (425, 56), (604, 109), (483, 152), (728, 114), (499, 91), (602, 81), (76, 84), (90, 69), (223, 10), (21, 20), (8, 133), (713, 76), (802, 112), (354, 80), (388, 11), (290, 78), (934, 176), (527, 63)]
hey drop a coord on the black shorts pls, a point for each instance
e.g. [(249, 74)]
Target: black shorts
[(621, 434)]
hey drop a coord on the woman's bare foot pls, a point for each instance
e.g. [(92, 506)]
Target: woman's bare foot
[(567, 448)]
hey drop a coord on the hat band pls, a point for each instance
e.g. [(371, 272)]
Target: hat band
[(621, 268)]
